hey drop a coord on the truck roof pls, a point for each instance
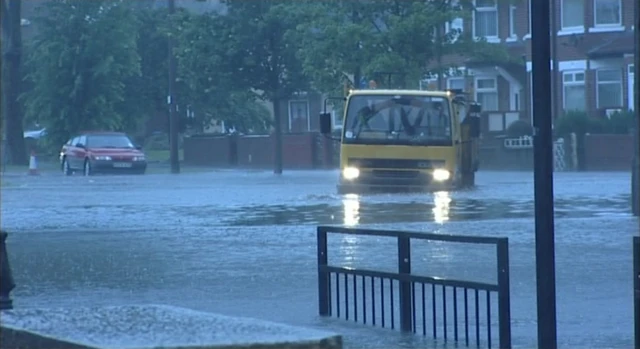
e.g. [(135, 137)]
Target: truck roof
[(401, 92)]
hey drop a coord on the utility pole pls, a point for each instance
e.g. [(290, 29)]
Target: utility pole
[(635, 176), (173, 116), (543, 175)]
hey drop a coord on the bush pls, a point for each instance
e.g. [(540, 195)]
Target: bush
[(580, 123), (622, 122), (572, 122), (519, 128)]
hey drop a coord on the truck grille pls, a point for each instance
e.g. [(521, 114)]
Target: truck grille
[(395, 163)]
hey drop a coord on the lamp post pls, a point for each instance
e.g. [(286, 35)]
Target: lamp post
[(543, 174)]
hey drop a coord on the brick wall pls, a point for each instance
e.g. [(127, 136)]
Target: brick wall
[(608, 152)]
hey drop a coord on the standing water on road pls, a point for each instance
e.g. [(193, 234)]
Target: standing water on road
[(244, 243)]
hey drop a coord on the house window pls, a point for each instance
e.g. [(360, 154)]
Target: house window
[(456, 84), (632, 79), (487, 93), (530, 16), (573, 89), (486, 19), (454, 28), (572, 14), (512, 22), (609, 88), (607, 12), (299, 116)]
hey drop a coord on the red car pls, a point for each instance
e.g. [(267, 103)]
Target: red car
[(102, 152)]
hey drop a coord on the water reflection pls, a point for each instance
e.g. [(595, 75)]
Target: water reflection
[(351, 205), (348, 248), (441, 206)]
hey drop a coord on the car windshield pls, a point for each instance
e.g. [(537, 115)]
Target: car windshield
[(398, 119), (109, 141)]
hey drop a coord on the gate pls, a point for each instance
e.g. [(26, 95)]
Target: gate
[(636, 289), (417, 303)]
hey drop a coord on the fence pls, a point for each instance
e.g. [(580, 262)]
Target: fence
[(361, 295), (636, 288), (526, 142)]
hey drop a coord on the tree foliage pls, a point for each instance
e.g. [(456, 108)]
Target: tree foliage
[(103, 63), (352, 39), (80, 61)]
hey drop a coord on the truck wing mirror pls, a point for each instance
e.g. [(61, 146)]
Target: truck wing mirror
[(475, 108), (325, 123)]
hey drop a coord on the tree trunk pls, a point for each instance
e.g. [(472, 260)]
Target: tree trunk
[(11, 84), (277, 119)]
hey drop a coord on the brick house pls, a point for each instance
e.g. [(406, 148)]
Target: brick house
[(594, 71)]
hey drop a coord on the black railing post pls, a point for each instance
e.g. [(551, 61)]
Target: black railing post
[(636, 288), (6, 277), (324, 284), (404, 267), (504, 298)]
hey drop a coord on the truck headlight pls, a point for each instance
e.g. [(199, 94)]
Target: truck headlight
[(441, 175), (350, 173)]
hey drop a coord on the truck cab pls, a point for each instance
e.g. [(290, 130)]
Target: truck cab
[(409, 140)]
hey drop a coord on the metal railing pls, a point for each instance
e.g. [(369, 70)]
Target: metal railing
[(418, 304), (636, 289)]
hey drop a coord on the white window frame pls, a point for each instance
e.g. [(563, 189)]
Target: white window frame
[(573, 82), (528, 36), (477, 90), (631, 92), (513, 32), (493, 38), (572, 28), (605, 25), (464, 83), (305, 101), (619, 83)]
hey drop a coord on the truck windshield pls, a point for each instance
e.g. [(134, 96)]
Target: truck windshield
[(398, 119)]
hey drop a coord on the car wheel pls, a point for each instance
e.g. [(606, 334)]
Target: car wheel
[(87, 168), (66, 169)]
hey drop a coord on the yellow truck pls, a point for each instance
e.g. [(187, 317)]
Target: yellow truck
[(411, 140)]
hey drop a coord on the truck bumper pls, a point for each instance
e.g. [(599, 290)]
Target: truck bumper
[(345, 187)]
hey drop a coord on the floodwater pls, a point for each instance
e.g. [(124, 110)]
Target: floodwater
[(244, 243)]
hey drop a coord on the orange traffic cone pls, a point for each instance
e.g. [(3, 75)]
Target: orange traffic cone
[(33, 164)]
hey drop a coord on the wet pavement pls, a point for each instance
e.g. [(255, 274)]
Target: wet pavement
[(243, 243)]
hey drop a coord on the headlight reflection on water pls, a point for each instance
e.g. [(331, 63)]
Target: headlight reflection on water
[(441, 205), (351, 206)]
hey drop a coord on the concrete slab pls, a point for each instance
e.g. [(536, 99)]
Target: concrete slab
[(150, 326)]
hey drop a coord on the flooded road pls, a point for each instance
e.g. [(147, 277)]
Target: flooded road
[(243, 243)]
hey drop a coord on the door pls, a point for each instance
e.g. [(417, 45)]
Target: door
[(77, 153), (631, 79)]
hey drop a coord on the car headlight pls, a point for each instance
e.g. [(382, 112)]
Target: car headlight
[(138, 158), (350, 173), (441, 175), (102, 158)]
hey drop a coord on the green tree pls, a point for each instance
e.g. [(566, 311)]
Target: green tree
[(147, 91), (208, 75), (364, 38), (81, 59), (263, 54)]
